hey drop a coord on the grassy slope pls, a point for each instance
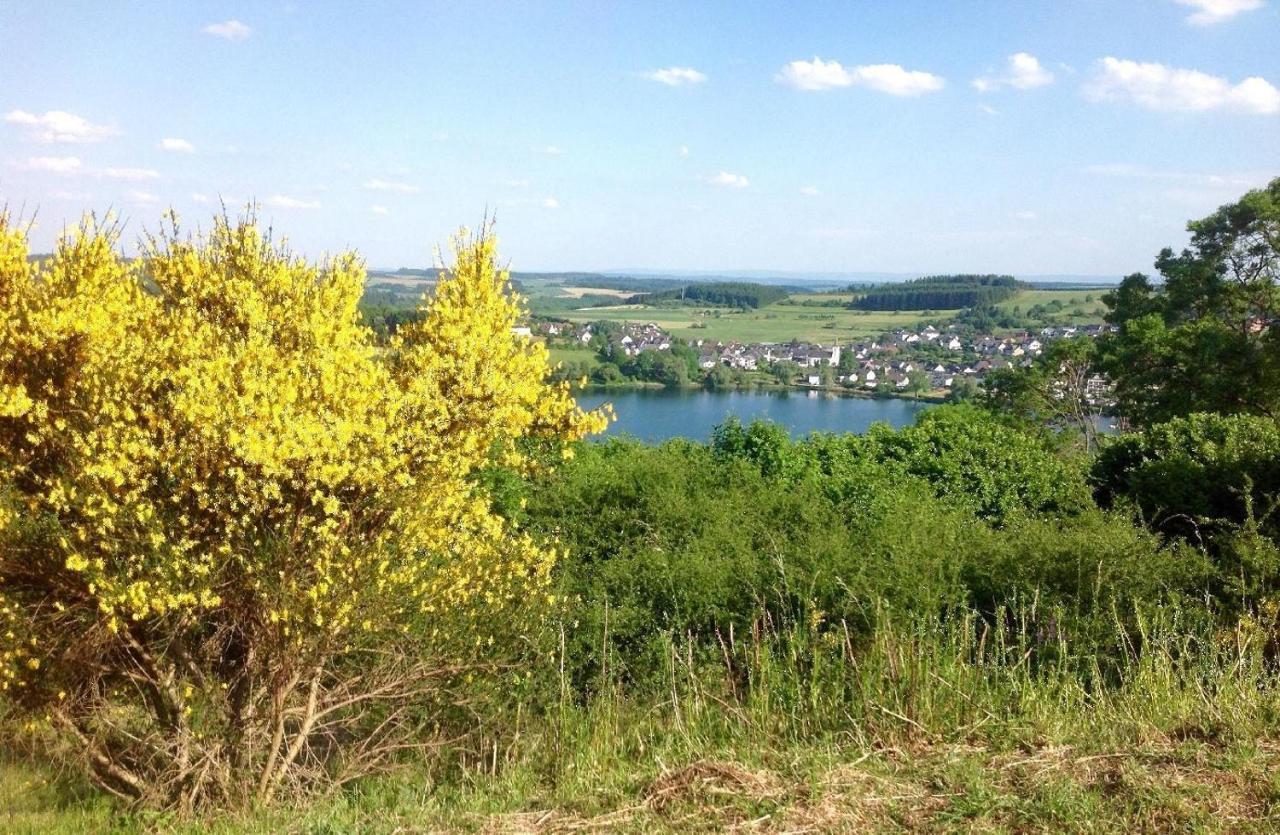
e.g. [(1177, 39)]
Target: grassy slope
[(907, 733)]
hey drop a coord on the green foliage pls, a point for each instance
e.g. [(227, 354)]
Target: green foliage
[(940, 292), (955, 512), (1206, 339), (725, 293), (1213, 480)]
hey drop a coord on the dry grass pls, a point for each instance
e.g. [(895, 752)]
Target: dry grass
[(1161, 788)]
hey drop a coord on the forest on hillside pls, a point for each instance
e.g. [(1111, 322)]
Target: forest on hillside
[(939, 292)]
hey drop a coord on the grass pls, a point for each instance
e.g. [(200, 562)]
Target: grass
[(568, 355), (776, 323), (1076, 310), (936, 725), (801, 321)]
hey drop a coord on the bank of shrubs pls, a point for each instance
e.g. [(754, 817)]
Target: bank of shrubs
[(960, 513)]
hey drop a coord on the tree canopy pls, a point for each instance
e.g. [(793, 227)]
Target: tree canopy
[(1205, 338)]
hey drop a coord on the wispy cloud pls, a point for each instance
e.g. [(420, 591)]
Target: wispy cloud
[(200, 198), (675, 76), (1158, 87), (129, 173), (1209, 12), (280, 201), (683, 151), (179, 146), (1025, 215), (144, 197), (988, 109), (724, 179), (550, 203), (380, 210), (1022, 72), (59, 126), (892, 79), (516, 183), (391, 185), (550, 150), (52, 165), (810, 191), (231, 30)]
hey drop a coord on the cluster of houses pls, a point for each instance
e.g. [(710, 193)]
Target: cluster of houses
[(892, 363), (636, 336)]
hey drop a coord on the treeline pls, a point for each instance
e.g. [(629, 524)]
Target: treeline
[(726, 293), (939, 292)]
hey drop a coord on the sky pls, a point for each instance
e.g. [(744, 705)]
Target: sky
[(1027, 137)]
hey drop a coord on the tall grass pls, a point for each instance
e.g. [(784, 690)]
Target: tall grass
[(799, 701)]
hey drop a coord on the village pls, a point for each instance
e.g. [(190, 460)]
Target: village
[(902, 361)]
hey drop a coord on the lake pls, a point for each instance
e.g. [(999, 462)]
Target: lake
[(658, 414)]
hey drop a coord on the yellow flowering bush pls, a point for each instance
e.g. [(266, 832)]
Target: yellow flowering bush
[(237, 534)]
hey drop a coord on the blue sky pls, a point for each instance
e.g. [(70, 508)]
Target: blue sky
[(1028, 137)]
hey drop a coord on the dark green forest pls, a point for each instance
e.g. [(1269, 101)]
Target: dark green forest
[(939, 292)]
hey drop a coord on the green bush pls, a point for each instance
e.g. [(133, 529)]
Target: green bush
[(692, 540), (1211, 480)]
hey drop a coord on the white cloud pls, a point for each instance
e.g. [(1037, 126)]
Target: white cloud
[(1209, 12), (72, 196), (988, 109), (810, 191), (391, 185), (1025, 215), (232, 30), (1024, 72), (280, 201), (683, 150), (517, 183), (727, 180), (550, 203), (380, 210), (550, 150), (200, 198), (1158, 87), (180, 146), (129, 173), (59, 126), (53, 165), (143, 197), (884, 78), (676, 76)]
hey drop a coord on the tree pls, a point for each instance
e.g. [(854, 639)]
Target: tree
[(1207, 338), (917, 382), (1054, 389), (240, 544), (963, 389), (784, 371)]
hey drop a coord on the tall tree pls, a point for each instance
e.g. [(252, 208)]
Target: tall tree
[(1206, 339), (1055, 389)]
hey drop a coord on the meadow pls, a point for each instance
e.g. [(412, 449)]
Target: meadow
[(802, 317)]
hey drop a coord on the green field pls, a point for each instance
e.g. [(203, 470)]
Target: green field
[(1077, 310), (568, 355), (778, 323), (803, 319)]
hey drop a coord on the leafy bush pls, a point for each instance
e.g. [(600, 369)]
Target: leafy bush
[(240, 545), (685, 539), (1213, 480)]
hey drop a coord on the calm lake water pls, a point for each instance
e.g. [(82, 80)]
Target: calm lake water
[(655, 414)]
